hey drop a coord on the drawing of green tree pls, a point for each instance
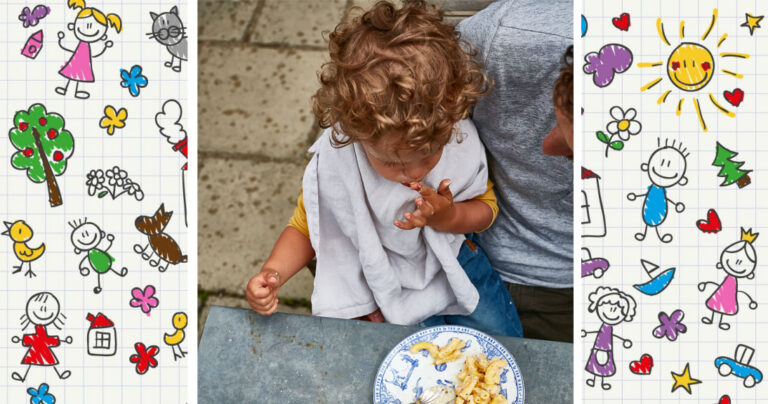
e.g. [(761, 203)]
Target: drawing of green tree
[(43, 145), (729, 169)]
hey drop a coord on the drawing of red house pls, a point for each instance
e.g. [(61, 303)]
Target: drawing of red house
[(102, 336)]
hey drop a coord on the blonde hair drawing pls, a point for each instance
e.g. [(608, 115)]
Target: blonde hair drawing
[(107, 20)]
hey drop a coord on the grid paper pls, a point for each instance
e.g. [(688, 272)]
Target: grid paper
[(149, 160), (693, 253)]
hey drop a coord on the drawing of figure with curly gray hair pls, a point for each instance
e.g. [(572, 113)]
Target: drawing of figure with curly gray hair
[(612, 307)]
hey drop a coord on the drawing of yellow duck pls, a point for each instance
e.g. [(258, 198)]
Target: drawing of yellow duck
[(20, 233), (175, 339)]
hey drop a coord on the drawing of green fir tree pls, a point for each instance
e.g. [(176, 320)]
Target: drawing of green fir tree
[(730, 170), (44, 147)]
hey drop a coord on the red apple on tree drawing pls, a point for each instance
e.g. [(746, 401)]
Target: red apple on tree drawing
[(43, 145)]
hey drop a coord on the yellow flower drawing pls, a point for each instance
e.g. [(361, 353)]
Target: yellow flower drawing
[(113, 119)]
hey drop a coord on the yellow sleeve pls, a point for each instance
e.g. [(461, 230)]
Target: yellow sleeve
[(489, 198), (299, 219)]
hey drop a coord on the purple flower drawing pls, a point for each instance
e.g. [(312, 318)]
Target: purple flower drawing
[(671, 326)]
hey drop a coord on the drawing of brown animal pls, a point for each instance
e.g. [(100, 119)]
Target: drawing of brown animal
[(163, 245)]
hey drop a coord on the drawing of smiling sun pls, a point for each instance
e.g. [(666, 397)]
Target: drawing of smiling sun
[(691, 67)]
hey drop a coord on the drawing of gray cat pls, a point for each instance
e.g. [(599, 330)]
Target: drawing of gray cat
[(169, 30)]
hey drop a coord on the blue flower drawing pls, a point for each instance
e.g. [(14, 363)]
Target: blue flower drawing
[(41, 396), (133, 80)]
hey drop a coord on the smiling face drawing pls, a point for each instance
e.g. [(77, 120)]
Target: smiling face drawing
[(86, 237), (666, 167), (736, 261), (610, 313), (42, 308), (690, 66), (87, 29)]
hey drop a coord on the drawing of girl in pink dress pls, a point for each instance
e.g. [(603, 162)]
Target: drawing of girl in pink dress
[(612, 307), (90, 27), (738, 260)]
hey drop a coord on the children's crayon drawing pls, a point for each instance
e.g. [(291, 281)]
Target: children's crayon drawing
[(674, 234), (43, 310), (161, 249), (20, 232), (94, 243), (168, 30), (81, 160)]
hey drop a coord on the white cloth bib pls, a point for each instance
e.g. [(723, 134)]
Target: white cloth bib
[(363, 260)]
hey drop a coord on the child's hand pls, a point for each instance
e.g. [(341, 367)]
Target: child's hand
[(261, 292), (432, 208)]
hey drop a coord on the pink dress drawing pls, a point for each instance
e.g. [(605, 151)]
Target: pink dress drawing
[(724, 298), (79, 67)]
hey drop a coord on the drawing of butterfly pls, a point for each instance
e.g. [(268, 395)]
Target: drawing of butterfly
[(144, 298), (671, 326), (31, 18), (41, 395), (144, 358)]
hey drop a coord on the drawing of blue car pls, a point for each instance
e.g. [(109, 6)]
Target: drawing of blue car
[(740, 367)]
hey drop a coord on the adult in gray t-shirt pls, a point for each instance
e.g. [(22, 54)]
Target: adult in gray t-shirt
[(522, 43)]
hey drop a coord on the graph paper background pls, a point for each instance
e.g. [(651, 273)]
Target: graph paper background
[(692, 252), (149, 160)]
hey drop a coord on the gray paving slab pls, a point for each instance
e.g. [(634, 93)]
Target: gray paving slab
[(224, 20), (257, 100), (304, 359), (297, 22), (243, 206)]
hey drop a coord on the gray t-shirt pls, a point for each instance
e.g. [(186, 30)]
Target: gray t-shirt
[(522, 43)]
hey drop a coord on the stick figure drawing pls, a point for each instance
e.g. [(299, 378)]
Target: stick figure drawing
[(87, 237), (43, 309), (666, 168)]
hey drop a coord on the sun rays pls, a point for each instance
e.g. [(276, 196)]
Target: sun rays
[(690, 67)]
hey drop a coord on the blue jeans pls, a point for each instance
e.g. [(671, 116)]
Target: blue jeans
[(495, 313)]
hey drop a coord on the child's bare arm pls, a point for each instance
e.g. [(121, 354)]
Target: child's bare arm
[(437, 210), (291, 253)]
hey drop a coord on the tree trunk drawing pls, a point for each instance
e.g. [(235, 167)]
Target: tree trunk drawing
[(54, 195)]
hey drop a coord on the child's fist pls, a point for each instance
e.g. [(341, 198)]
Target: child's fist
[(432, 207), (261, 292)]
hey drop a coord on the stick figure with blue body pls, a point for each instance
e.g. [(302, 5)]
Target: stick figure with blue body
[(666, 168)]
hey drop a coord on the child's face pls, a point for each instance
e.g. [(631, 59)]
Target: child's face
[(559, 142), (666, 167), (87, 29), (610, 313), (398, 165), (737, 263)]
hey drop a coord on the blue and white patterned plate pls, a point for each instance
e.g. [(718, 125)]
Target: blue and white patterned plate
[(403, 376)]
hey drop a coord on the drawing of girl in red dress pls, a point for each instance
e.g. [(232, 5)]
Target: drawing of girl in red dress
[(43, 309), (90, 27)]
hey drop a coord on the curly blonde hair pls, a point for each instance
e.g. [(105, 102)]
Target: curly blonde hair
[(397, 72)]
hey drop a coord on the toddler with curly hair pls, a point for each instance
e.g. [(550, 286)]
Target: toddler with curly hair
[(398, 183)]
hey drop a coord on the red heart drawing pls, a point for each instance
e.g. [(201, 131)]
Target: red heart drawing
[(735, 97), (642, 367), (622, 22), (712, 224), (724, 400)]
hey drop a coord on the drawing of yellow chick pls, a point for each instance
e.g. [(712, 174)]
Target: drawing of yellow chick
[(20, 233), (175, 339)]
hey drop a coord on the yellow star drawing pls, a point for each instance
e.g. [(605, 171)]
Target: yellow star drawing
[(684, 380), (752, 22)]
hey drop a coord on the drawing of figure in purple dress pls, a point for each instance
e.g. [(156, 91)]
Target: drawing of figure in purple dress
[(90, 27), (738, 260), (612, 307)]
